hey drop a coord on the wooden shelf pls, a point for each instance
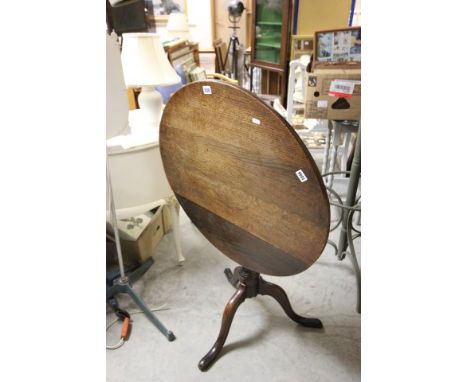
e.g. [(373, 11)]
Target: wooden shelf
[(275, 45), (271, 47), (277, 23)]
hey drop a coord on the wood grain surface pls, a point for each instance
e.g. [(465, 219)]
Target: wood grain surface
[(231, 161)]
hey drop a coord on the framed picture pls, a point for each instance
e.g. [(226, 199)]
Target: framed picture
[(338, 48), (161, 9), (301, 45)]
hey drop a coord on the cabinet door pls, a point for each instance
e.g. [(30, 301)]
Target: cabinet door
[(271, 32)]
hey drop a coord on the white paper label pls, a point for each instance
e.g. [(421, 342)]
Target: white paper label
[(342, 87), (207, 89), (322, 104), (300, 174), (256, 121)]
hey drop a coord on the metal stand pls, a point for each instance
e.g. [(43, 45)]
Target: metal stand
[(233, 44), (123, 283), (351, 194), (332, 142), (348, 232), (123, 286)]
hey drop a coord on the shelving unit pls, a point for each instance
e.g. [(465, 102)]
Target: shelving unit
[(271, 24)]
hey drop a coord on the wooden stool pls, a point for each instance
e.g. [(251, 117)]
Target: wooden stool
[(249, 184)]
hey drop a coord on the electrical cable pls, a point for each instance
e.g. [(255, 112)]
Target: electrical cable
[(116, 346), (122, 340)]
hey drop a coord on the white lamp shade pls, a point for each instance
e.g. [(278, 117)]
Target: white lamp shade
[(144, 61), (177, 22), (116, 92)]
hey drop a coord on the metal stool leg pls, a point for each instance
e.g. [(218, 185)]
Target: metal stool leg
[(327, 149), (335, 143)]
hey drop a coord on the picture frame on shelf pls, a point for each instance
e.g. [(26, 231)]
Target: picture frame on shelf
[(301, 45), (161, 9), (338, 48)]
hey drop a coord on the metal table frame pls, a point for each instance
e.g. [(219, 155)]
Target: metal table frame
[(352, 204)]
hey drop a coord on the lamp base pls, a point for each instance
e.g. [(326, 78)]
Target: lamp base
[(123, 285), (150, 102)]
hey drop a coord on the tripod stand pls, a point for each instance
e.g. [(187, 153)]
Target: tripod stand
[(123, 284), (232, 48)]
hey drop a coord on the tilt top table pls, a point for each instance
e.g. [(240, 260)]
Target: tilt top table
[(249, 184)]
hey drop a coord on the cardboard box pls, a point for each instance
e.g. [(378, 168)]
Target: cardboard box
[(345, 100), (140, 235)]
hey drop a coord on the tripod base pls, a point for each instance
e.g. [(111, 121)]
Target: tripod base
[(124, 286), (249, 284)]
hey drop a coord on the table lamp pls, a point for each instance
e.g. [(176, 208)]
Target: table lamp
[(177, 26), (145, 65), (116, 98), (135, 178)]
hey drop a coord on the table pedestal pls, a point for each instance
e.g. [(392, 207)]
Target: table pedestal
[(248, 284)]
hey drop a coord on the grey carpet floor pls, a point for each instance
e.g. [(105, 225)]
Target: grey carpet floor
[(263, 344)]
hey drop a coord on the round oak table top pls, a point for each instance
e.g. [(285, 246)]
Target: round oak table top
[(244, 178)]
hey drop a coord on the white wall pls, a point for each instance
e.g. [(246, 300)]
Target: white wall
[(357, 14), (199, 18)]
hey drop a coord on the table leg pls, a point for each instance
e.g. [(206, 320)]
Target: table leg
[(345, 155), (251, 78), (351, 194), (176, 232), (335, 143), (327, 148)]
